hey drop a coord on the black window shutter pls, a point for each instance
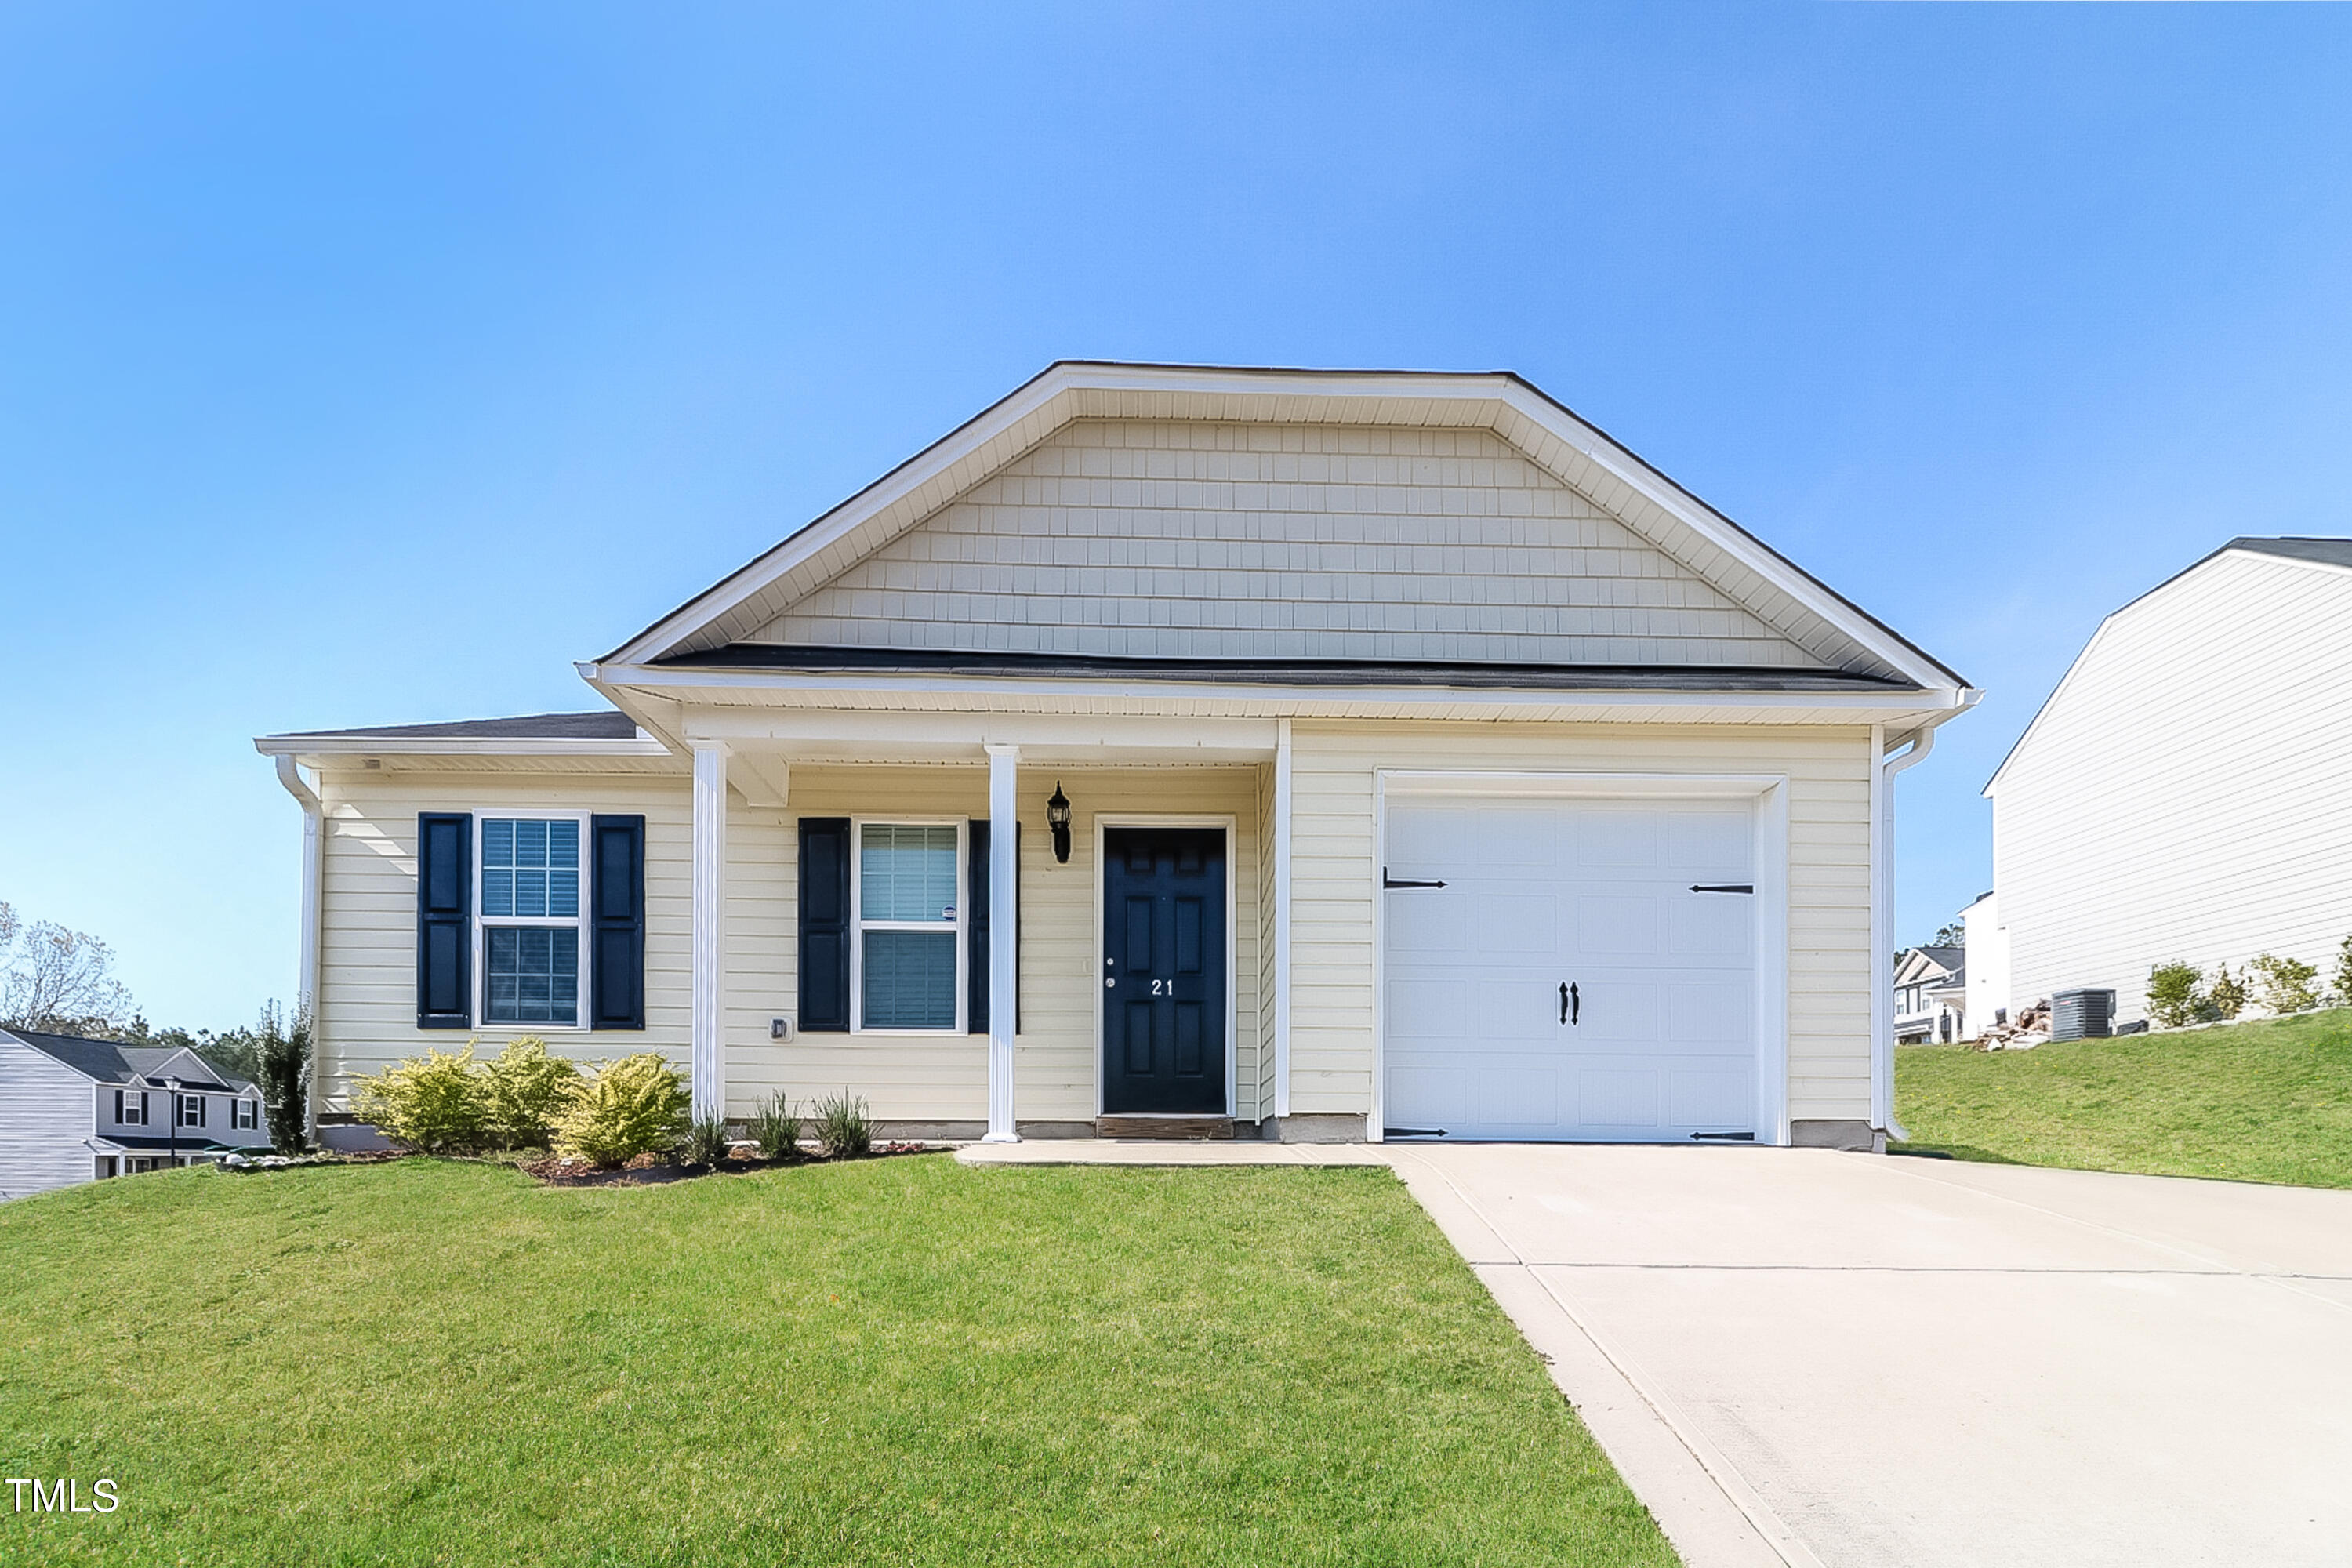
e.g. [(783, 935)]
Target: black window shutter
[(825, 924), (445, 911), (616, 924), (118, 1108), (975, 929)]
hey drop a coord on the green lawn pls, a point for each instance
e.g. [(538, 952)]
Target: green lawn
[(885, 1362), (2253, 1102)]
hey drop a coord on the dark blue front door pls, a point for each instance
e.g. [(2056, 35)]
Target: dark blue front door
[(1164, 971)]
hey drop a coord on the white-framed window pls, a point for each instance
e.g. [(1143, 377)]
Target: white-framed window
[(244, 1114), (907, 907), (191, 1110), (530, 911), (130, 1107)]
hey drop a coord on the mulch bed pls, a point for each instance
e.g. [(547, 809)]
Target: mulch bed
[(653, 1170)]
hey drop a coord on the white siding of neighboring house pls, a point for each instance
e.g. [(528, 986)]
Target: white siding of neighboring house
[(1202, 540), (2187, 793), (45, 1121), (1335, 869), (1988, 963), (367, 1006)]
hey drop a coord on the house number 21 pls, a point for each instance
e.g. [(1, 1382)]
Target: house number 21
[(1160, 988)]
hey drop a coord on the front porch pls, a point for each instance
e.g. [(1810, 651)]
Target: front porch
[(800, 992)]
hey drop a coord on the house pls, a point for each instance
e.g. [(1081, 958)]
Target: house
[(1391, 754), (73, 1110), (2184, 792), (1931, 991)]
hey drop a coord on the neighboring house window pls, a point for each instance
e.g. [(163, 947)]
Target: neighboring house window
[(909, 952), (130, 1107), (192, 1110), (244, 1114), (529, 919)]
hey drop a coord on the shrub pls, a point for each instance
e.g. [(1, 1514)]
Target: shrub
[(706, 1142), (2173, 997), (433, 1103), (776, 1128), (282, 1063), (634, 1106), (2286, 984), (2226, 998), (841, 1127), (523, 1093), (2344, 974)]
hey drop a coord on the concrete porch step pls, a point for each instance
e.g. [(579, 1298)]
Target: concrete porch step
[(1170, 1128)]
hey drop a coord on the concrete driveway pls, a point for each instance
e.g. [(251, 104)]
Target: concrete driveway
[(1806, 1357)]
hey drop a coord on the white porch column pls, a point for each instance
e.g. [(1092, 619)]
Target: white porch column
[(1280, 850), (710, 1059), (1003, 934)]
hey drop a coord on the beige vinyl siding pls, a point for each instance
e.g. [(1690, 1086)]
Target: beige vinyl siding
[(1200, 539), (945, 1078), (1336, 868), (2187, 793), (367, 950)]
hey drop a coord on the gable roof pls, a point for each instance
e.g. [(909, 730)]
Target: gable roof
[(110, 1062), (716, 624), (2306, 550)]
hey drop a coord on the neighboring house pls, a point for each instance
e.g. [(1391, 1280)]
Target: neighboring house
[(1391, 752), (74, 1110), (1931, 991), (2185, 793)]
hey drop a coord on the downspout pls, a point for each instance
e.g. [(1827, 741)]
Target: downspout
[(307, 980), (1882, 923)]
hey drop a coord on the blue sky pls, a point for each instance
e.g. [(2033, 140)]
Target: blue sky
[(368, 364)]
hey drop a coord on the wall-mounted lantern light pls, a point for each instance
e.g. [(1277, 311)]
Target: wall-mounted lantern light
[(1058, 817)]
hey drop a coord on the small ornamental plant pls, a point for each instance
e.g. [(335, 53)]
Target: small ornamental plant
[(2174, 997), (2343, 981), (776, 1129), (2285, 984), (841, 1128), (634, 1106), (433, 1102), (706, 1142), (2226, 998), (523, 1092)]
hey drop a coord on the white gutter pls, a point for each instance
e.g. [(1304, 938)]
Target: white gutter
[(307, 1000), (1882, 917)]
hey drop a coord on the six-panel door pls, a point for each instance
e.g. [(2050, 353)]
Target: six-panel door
[(1163, 970)]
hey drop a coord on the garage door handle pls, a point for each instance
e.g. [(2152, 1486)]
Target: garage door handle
[(1571, 1004), (1723, 887), (1389, 882)]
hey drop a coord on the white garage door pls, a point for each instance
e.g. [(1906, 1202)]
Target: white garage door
[(1587, 971)]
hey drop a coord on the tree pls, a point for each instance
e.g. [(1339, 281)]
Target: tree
[(282, 1051), (2175, 993), (57, 980), (1954, 933)]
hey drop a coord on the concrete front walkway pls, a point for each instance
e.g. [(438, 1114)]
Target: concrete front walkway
[(1806, 1357)]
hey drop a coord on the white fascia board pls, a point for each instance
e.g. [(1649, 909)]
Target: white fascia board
[(1047, 695), (306, 746), (1251, 740)]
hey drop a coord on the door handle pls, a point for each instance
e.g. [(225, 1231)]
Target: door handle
[(1571, 1003)]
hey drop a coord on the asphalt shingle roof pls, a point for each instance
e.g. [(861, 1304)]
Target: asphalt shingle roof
[(609, 725), (110, 1062)]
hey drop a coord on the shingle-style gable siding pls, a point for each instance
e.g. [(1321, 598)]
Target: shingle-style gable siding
[(1131, 538)]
